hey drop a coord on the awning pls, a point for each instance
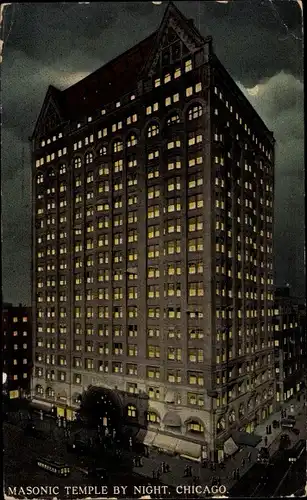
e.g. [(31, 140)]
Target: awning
[(40, 405), (166, 443), (170, 397), (146, 437), (188, 449), (230, 446), (172, 419), (245, 438)]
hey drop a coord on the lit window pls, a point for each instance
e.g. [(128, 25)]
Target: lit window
[(195, 112), (188, 65), (132, 141), (153, 130), (117, 146), (177, 73)]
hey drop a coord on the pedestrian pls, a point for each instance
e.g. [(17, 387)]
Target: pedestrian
[(265, 441), (270, 429), (130, 442), (267, 430)]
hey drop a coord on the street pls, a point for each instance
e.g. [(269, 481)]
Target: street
[(20, 469), (20, 452), (294, 482)]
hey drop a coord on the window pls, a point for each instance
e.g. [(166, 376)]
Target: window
[(117, 146), (175, 118), (195, 112), (153, 130), (89, 157), (195, 138), (77, 162), (150, 109), (132, 141), (188, 65)]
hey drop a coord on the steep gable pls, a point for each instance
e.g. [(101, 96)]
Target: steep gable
[(176, 37), (50, 116)]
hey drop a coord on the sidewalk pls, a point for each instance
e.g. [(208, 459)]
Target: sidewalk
[(177, 465), (272, 439)]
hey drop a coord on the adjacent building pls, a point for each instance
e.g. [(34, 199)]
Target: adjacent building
[(153, 195), (290, 346), (17, 349)]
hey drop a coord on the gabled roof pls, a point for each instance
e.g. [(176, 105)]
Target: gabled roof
[(185, 25), (117, 78), (53, 98)]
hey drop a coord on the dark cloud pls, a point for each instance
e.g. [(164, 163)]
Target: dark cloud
[(60, 43)]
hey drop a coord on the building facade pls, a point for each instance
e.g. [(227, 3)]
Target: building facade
[(290, 346), (17, 349), (153, 192)]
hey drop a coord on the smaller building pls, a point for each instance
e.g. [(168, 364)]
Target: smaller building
[(290, 345), (17, 349)]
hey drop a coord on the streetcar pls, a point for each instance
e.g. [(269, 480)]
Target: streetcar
[(53, 466)]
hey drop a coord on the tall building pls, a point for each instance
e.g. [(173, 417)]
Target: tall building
[(153, 191), (17, 349), (290, 346)]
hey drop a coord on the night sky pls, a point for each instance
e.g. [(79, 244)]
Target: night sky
[(259, 43)]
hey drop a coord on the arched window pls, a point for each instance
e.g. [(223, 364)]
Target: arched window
[(131, 411), (250, 404), (62, 168), (89, 157), (77, 162), (117, 146), (175, 118), (40, 179), (132, 141), (153, 417), (103, 151), (264, 395), (39, 390), (221, 424), (258, 399), (232, 417), (241, 411), (50, 392), (195, 427), (153, 130), (195, 112)]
